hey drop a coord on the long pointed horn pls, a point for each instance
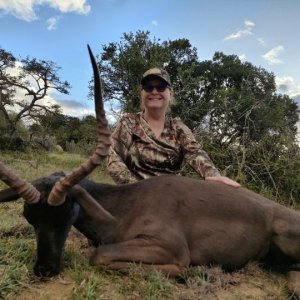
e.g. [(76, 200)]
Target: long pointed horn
[(58, 193), (23, 188)]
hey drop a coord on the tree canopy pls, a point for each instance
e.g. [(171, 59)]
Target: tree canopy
[(123, 63), (23, 86)]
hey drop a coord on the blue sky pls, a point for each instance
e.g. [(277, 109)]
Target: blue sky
[(263, 32)]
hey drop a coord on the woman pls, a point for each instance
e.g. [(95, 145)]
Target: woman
[(151, 143)]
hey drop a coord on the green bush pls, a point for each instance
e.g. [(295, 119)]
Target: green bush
[(13, 143)]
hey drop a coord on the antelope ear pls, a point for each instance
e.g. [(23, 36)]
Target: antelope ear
[(9, 195), (95, 210)]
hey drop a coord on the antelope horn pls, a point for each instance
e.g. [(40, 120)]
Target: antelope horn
[(60, 189), (25, 189)]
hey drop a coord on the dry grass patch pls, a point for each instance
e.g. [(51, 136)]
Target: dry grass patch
[(79, 280)]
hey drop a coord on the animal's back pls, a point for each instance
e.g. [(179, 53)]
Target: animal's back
[(218, 223), (177, 193)]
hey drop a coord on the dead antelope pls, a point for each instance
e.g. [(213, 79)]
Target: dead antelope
[(168, 222)]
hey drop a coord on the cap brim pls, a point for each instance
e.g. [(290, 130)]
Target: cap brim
[(154, 76)]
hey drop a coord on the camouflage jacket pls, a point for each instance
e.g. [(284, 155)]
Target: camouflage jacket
[(137, 154)]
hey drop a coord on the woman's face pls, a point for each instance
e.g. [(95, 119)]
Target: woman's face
[(155, 94)]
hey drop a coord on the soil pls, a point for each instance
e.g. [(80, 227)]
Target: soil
[(245, 287)]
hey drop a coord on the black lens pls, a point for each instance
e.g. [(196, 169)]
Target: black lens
[(148, 88), (160, 87)]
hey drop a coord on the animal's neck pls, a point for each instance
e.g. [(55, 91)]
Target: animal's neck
[(109, 198)]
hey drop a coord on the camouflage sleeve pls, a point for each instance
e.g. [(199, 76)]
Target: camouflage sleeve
[(196, 157), (121, 140)]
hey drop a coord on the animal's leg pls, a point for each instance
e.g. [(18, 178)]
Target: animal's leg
[(287, 239), (142, 250), (287, 234), (294, 282), (170, 270)]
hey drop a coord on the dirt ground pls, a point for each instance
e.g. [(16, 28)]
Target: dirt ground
[(244, 287)]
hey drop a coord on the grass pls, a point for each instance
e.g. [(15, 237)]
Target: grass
[(16, 257), (33, 164), (79, 280)]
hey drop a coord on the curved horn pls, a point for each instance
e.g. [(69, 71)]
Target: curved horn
[(58, 193), (23, 188)]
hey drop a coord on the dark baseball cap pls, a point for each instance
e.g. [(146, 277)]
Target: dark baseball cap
[(156, 72)]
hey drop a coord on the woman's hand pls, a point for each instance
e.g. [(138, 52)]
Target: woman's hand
[(224, 180)]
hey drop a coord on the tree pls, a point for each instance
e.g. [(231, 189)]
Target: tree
[(123, 63), (45, 131), (23, 86), (64, 130), (242, 102)]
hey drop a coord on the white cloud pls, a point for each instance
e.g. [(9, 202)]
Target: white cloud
[(295, 92), (19, 9), (51, 24), (284, 84), (287, 80), (272, 56), (241, 33), (249, 23), (16, 70), (75, 112), (287, 86), (242, 57), (25, 9), (154, 23), (261, 41), (65, 6)]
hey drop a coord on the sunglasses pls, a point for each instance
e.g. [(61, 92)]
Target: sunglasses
[(159, 87)]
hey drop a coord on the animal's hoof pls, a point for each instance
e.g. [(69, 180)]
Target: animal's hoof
[(294, 283)]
